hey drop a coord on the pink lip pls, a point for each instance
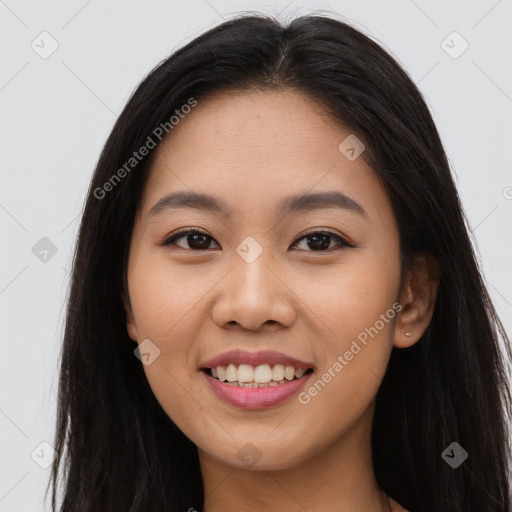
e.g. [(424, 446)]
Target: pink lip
[(255, 398), (255, 358)]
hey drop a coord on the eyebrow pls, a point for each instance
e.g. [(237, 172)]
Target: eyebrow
[(290, 204)]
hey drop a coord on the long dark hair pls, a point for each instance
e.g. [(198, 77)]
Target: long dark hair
[(116, 447)]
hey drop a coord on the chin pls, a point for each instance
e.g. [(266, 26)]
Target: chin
[(259, 455)]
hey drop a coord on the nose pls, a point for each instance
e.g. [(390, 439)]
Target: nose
[(255, 296)]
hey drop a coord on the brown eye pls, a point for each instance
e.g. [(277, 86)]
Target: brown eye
[(196, 240), (320, 241)]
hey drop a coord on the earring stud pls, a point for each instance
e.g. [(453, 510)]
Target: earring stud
[(408, 333)]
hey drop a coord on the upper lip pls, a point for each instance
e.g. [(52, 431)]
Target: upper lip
[(255, 358)]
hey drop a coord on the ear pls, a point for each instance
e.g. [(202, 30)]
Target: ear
[(131, 327), (417, 297)]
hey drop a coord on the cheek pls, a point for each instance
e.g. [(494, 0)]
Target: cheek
[(353, 337), (165, 302), (166, 296), (350, 298)]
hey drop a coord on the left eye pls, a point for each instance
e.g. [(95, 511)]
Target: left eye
[(319, 241)]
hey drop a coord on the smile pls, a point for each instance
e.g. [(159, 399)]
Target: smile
[(255, 387)]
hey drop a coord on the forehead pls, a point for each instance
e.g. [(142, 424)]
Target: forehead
[(253, 148)]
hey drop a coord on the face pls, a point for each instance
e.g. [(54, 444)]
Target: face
[(315, 281)]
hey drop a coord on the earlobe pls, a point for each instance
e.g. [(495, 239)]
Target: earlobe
[(131, 327), (418, 297)]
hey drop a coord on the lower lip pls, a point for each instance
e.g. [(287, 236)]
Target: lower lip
[(255, 398)]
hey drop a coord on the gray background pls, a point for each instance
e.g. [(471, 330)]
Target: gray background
[(57, 112)]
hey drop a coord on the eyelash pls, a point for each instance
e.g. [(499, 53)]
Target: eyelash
[(188, 231)]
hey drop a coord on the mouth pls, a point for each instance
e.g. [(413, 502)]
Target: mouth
[(255, 387)]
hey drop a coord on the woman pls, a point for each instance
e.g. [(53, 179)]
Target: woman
[(275, 304)]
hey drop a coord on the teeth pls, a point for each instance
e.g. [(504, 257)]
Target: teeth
[(289, 372), (256, 384), (263, 375), (245, 373), (300, 373), (221, 370), (278, 372), (231, 373)]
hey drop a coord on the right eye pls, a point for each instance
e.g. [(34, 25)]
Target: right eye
[(196, 240)]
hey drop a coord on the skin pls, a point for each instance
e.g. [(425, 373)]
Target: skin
[(249, 150)]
